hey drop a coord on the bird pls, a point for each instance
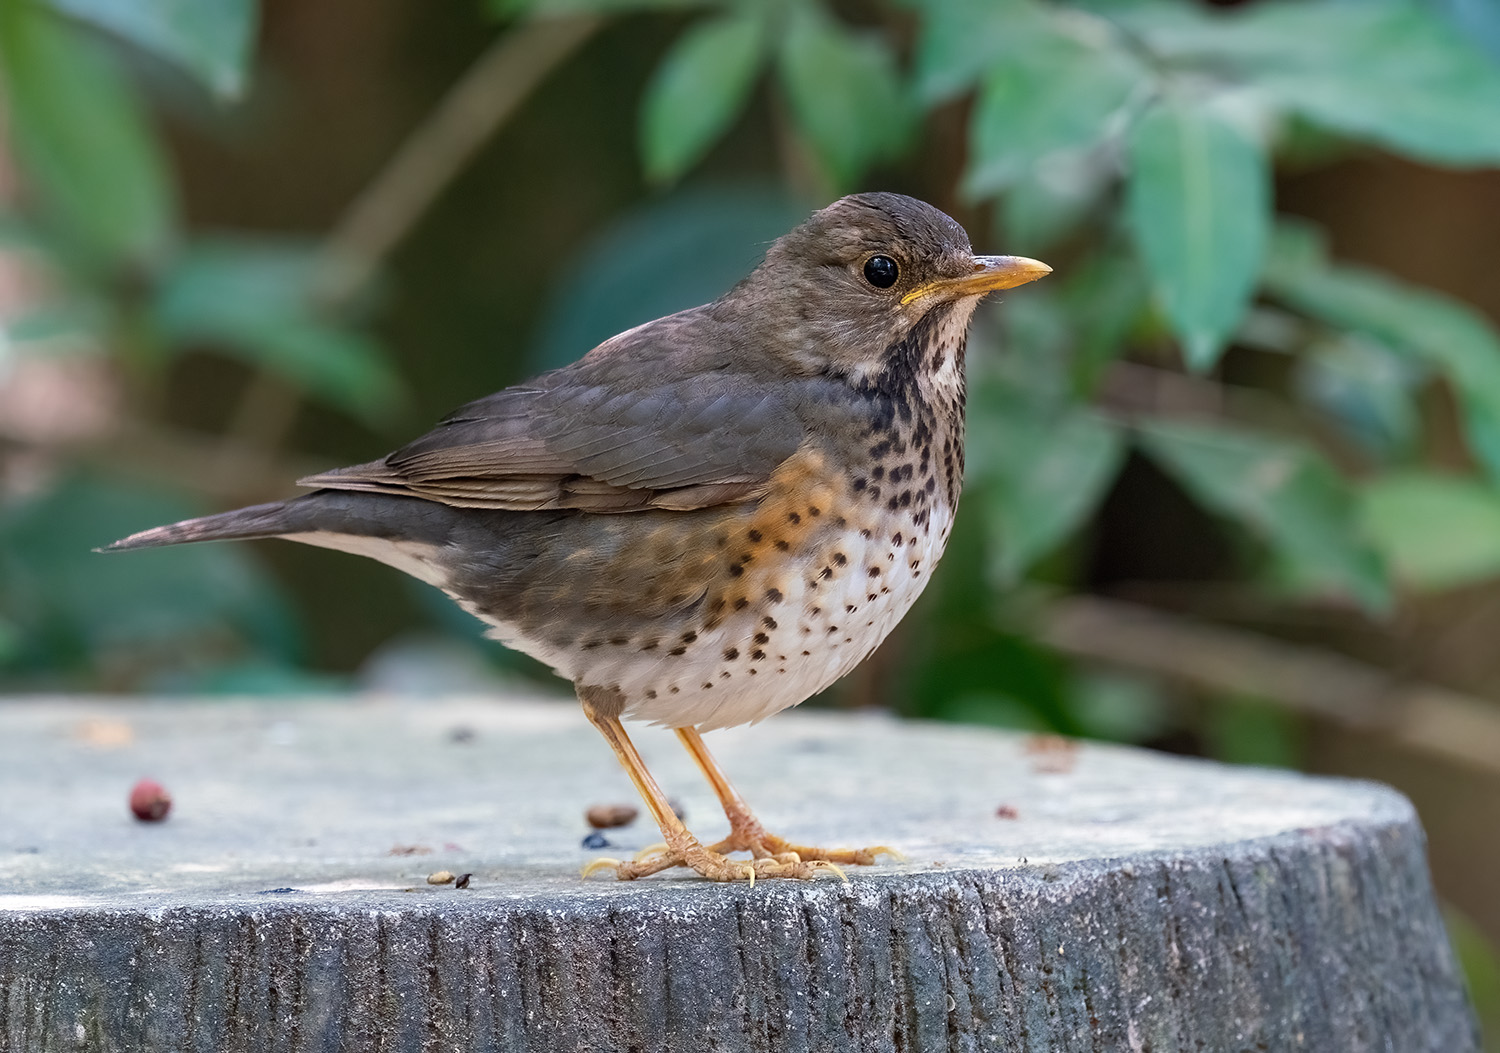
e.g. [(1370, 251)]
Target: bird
[(707, 518)]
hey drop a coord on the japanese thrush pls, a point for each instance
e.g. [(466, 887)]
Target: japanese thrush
[(708, 518)]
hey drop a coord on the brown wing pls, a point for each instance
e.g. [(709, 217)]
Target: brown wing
[(607, 433)]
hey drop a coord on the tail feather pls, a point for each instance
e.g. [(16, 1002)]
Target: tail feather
[(268, 520)]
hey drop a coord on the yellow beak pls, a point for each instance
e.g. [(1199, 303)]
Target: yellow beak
[(990, 273)]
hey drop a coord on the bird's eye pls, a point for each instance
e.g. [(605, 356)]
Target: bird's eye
[(881, 271)]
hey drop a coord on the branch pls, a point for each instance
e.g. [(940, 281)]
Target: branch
[(1426, 717), (492, 89), (483, 99)]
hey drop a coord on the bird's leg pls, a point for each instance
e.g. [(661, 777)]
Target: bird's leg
[(682, 848), (746, 834)]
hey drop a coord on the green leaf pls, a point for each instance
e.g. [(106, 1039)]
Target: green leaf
[(209, 38), (1285, 493), (1392, 73), (1053, 93), (82, 139), (962, 39), (1406, 81), (1437, 531), (1049, 201), (1105, 296), (250, 300), (1040, 476), (1437, 330), (1198, 204), (845, 93), (697, 91)]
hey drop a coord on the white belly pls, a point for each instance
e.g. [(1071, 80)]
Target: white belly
[(767, 658)]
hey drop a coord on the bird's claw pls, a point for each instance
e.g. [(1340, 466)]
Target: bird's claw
[(602, 863)]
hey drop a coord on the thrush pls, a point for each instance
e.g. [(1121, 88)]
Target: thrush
[(707, 518)]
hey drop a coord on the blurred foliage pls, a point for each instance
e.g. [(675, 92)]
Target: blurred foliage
[(1129, 141), (1336, 427)]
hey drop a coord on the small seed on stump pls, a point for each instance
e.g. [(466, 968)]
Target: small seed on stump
[(606, 816)]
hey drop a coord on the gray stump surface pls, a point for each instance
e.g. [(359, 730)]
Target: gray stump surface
[(1091, 899)]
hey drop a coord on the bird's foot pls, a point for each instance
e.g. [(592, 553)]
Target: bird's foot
[(747, 835), (712, 864)]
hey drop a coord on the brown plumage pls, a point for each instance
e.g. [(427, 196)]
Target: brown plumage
[(707, 518)]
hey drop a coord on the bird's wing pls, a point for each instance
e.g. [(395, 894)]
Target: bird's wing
[(589, 437)]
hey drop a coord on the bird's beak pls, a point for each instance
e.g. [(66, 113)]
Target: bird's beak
[(990, 273)]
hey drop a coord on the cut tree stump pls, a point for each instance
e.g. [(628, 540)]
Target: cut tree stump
[(1054, 898)]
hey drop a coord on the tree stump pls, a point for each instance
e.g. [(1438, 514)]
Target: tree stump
[(1054, 897)]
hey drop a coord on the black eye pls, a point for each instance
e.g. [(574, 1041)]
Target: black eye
[(881, 271)]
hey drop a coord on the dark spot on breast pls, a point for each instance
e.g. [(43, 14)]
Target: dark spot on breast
[(735, 570), (880, 449), (731, 654), (757, 655), (864, 533), (850, 608), (860, 484), (840, 559), (774, 595), (878, 472), (769, 623), (762, 638), (673, 689), (814, 511), (781, 545), (840, 522), (707, 684), (753, 535), (689, 636), (650, 645), (930, 486), (826, 573), (741, 603), (793, 517), (874, 572), (677, 651), (806, 654), (833, 628), (650, 693), (896, 540), (619, 641), (591, 644), (816, 611)]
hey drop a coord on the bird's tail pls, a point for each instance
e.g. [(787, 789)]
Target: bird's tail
[(269, 520)]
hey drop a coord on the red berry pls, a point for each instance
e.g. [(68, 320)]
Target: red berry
[(150, 801)]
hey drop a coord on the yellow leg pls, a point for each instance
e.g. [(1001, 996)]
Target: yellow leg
[(682, 848), (746, 834)]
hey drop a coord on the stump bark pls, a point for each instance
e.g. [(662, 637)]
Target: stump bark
[(1053, 898)]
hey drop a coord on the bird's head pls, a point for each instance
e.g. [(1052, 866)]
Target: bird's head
[(847, 286)]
